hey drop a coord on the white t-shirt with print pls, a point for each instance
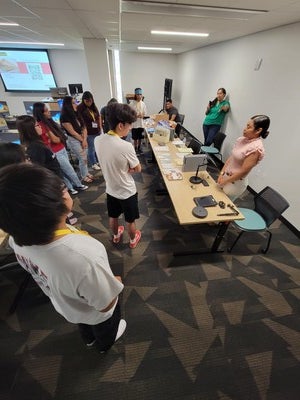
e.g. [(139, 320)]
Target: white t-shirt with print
[(74, 273), (116, 156)]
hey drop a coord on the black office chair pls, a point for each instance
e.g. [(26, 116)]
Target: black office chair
[(180, 118), (269, 205), (216, 146)]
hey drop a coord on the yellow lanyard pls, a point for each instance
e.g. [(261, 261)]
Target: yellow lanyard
[(112, 133), (92, 115), (61, 232)]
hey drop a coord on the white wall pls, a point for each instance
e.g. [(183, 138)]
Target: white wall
[(69, 66), (149, 71), (272, 90)]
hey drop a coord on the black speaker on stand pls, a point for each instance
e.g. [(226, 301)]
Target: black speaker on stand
[(167, 91)]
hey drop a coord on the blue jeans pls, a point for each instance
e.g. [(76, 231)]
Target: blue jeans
[(70, 177), (81, 155), (92, 158), (210, 132)]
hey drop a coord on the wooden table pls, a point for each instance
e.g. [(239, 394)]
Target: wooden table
[(182, 194)]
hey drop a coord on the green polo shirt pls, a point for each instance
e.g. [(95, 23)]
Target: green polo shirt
[(215, 116)]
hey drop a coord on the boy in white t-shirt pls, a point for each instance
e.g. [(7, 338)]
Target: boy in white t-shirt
[(70, 266), (118, 162)]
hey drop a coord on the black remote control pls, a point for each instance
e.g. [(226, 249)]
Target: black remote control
[(204, 183)]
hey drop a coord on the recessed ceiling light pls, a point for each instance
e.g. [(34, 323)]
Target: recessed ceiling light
[(155, 48), (8, 24), (33, 43), (179, 33)]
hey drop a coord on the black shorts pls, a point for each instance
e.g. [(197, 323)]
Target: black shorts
[(137, 133), (128, 207)]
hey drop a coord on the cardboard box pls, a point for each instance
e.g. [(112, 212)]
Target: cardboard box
[(160, 117)]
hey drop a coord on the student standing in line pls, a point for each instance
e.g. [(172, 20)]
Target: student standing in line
[(70, 266), (54, 137), (72, 122), (247, 152), (91, 117), (103, 115), (118, 162), (37, 152), (138, 126), (215, 114)]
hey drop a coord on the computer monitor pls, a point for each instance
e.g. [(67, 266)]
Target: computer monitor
[(3, 125), (75, 88), (55, 115), (28, 107), (58, 92), (4, 110), (195, 145)]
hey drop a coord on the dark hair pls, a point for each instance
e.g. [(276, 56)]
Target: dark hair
[(263, 122), (84, 109), (111, 101), (68, 113), (38, 113), (31, 203), (222, 89), (215, 100), (26, 127), (169, 101), (118, 112), (11, 153)]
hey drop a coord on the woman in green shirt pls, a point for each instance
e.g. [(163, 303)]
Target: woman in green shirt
[(215, 114)]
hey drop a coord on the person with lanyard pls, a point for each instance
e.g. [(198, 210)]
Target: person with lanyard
[(118, 162), (138, 126), (70, 266), (215, 114), (53, 137), (72, 122), (91, 117)]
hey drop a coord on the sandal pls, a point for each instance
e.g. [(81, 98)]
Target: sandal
[(91, 176), (87, 179)]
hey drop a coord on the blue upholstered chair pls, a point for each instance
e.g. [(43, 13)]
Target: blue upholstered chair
[(216, 146), (269, 205)]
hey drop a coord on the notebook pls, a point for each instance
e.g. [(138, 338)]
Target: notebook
[(205, 201)]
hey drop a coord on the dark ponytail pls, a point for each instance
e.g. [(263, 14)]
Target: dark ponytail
[(263, 122)]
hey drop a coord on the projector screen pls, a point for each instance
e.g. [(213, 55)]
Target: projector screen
[(26, 70)]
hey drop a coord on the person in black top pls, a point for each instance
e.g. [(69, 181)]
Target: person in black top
[(172, 111), (74, 125), (103, 115), (91, 117), (36, 151)]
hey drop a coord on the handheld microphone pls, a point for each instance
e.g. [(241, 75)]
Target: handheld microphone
[(196, 179)]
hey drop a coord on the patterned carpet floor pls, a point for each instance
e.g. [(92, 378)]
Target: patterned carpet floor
[(204, 327)]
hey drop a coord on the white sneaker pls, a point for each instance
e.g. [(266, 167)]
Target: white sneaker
[(96, 167), (73, 191), (121, 329), (83, 187)]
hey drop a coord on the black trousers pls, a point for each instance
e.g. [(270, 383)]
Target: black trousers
[(104, 333)]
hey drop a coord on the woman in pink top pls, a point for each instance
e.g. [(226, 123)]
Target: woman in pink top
[(246, 154)]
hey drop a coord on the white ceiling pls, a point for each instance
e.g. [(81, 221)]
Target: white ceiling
[(127, 24)]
